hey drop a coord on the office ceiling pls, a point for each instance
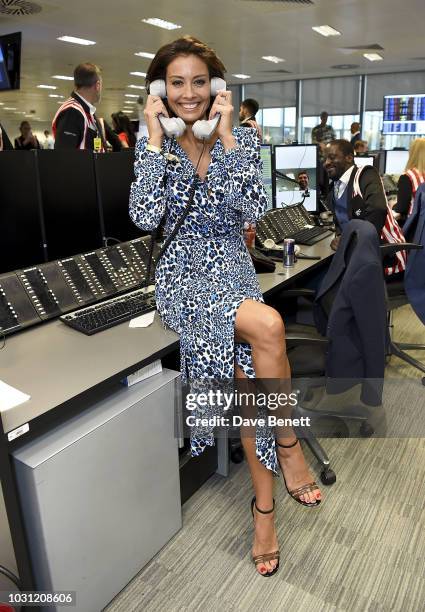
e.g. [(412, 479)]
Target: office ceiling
[(241, 31)]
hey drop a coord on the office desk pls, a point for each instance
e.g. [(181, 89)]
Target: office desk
[(62, 370)]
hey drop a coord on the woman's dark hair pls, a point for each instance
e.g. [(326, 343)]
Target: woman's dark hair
[(188, 45), (122, 123)]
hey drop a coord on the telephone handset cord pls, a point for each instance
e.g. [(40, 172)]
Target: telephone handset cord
[(180, 220)]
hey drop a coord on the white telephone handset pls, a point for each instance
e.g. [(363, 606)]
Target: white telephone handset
[(174, 126)]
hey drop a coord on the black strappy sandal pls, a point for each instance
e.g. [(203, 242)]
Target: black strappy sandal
[(310, 487), (267, 556)]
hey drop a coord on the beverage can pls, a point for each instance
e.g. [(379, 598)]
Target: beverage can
[(249, 235), (288, 252)]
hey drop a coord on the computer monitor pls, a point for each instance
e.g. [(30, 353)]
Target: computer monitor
[(72, 219), (10, 61), (266, 153), (365, 160), (296, 176), (395, 162)]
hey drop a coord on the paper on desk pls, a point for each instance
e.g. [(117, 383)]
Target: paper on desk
[(143, 321), (11, 397)]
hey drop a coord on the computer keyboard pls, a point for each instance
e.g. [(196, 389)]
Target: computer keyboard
[(101, 316), (310, 235)]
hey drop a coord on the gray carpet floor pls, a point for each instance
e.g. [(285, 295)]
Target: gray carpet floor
[(362, 549)]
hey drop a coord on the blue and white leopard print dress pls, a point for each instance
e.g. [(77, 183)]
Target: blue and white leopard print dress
[(206, 272)]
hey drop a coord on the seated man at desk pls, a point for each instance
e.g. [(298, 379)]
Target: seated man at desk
[(358, 193)]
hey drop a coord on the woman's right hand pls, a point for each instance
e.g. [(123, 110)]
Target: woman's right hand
[(154, 107)]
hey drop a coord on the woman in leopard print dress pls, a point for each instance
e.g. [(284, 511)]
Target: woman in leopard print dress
[(206, 286)]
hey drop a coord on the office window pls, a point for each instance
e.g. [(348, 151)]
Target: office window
[(277, 124), (336, 95), (280, 94), (380, 85), (340, 123), (236, 101), (372, 126)]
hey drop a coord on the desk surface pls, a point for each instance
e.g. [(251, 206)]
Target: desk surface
[(54, 363)]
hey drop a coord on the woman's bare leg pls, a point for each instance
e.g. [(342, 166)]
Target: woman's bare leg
[(262, 327), (265, 540)]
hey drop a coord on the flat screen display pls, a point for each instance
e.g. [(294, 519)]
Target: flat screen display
[(296, 176), (395, 162), (10, 61), (266, 158), (404, 114), (364, 160)]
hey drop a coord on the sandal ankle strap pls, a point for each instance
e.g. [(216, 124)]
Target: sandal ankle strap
[(287, 445), (263, 511)]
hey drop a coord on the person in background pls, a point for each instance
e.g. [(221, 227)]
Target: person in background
[(302, 178), (247, 112), (355, 132), (48, 142), (124, 130), (26, 141), (323, 133), (360, 147), (408, 183), (358, 193), (75, 125)]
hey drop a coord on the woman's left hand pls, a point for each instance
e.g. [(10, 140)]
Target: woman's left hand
[(223, 106)]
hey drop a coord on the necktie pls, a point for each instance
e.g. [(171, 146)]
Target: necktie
[(336, 188)]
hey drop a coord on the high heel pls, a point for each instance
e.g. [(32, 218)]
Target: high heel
[(310, 487), (267, 556)]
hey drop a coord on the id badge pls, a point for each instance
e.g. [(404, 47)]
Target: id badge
[(97, 144)]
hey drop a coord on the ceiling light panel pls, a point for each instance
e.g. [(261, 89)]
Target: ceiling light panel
[(160, 23), (145, 54), (76, 41), (326, 30), (131, 95), (242, 76), (46, 87), (136, 86), (273, 58), (62, 77), (140, 74), (373, 57)]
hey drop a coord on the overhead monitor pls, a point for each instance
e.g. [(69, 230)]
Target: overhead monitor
[(266, 158), (395, 162), (404, 114), (10, 61), (296, 176)]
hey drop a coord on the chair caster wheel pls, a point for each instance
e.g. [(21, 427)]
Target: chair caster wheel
[(366, 430), (328, 476)]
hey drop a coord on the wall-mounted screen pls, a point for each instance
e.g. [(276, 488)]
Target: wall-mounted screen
[(10, 61), (296, 176), (404, 114)]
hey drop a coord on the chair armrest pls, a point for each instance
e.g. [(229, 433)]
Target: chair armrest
[(297, 340), (307, 293), (391, 249)]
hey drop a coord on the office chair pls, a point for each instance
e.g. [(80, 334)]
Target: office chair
[(314, 364), (410, 288)]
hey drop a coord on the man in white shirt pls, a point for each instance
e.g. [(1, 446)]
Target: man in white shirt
[(48, 142)]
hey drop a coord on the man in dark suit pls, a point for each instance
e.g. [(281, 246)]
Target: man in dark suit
[(355, 132), (370, 206)]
